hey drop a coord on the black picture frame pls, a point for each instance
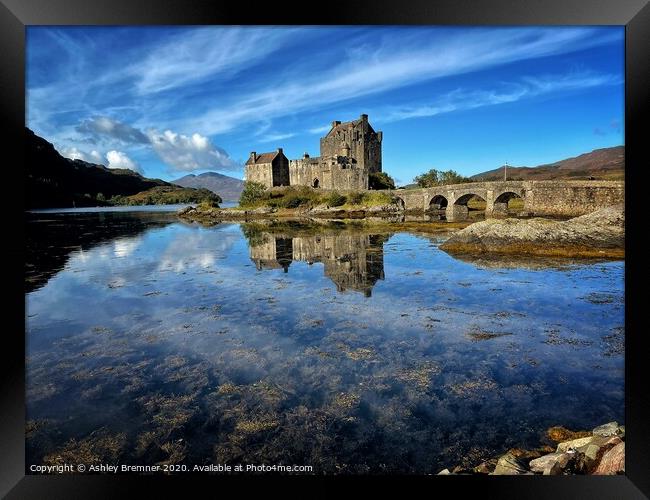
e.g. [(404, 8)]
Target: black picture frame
[(15, 15)]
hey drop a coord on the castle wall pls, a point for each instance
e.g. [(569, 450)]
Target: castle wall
[(260, 172), (330, 174)]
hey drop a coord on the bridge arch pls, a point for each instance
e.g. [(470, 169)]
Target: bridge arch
[(508, 201), (438, 202), (471, 199)]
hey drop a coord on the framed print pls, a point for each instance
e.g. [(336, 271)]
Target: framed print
[(388, 242)]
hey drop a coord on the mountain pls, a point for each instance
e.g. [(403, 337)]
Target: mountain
[(53, 181), (227, 187), (602, 164)]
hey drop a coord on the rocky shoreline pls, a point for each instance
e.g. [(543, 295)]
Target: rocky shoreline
[(200, 214), (597, 452), (598, 234)]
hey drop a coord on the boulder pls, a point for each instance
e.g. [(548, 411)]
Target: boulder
[(613, 461), (509, 464), (610, 429), (546, 462), (573, 444), (589, 455)]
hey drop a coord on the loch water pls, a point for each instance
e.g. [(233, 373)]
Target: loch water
[(351, 350)]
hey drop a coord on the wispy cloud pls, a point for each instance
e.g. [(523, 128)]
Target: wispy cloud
[(528, 87), (275, 137), (206, 52), (320, 130), (396, 62), (118, 89)]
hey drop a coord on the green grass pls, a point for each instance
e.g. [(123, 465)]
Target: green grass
[(306, 197)]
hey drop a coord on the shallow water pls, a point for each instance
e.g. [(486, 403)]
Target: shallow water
[(150, 340)]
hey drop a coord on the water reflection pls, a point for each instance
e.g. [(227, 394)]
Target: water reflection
[(175, 343), (53, 237), (352, 261)]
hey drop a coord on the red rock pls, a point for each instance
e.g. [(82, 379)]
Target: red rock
[(613, 462)]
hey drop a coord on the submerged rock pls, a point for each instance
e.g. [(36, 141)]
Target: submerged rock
[(598, 234)]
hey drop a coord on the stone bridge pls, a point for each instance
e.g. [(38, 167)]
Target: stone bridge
[(568, 198)]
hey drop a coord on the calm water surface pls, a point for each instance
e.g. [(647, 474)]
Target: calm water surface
[(151, 341)]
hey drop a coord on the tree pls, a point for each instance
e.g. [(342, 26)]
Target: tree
[(452, 177), (380, 180), (252, 193), (438, 178), (428, 179)]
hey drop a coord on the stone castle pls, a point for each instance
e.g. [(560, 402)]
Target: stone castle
[(348, 154)]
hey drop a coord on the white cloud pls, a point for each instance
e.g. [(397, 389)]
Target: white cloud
[(117, 159), (102, 126), (96, 157), (189, 153), (72, 153)]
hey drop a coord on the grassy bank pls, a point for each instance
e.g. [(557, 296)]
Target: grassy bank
[(257, 196)]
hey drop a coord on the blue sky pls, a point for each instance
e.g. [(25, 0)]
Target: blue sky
[(168, 101)]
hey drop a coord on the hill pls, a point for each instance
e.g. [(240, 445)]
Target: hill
[(53, 181), (601, 164), (227, 187)]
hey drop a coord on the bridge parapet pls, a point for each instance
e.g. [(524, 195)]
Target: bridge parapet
[(554, 197)]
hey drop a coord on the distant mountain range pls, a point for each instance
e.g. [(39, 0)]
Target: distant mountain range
[(53, 181), (227, 187), (602, 164)]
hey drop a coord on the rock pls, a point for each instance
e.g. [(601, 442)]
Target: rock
[(589, 456), (186, 210), (508, 464), (601, 233), (546, 462), (564, 464), (573, 444), (610, 429), (613, 461), (444, 472), (484, 468)]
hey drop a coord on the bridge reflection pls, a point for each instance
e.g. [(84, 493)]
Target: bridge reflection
[(353, 261)]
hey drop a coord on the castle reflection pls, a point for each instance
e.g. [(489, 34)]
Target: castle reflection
[(352, 261)]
